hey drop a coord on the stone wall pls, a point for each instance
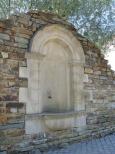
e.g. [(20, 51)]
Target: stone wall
[(99, 80), (100, 91)]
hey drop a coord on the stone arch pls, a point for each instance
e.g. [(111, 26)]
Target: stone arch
[(66, 108), (73, 53), (57, 32)]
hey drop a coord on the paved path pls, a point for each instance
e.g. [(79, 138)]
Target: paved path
[(105, 145)]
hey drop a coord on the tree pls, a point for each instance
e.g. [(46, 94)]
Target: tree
[(94, 19)]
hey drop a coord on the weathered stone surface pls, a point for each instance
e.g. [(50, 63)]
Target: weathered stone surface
[(17, 56), (21, 30), (21, 40), (12, 126), (97, 72), (4, 36), (3, 152), (103, 77), (88, 71), (21, 45), (98, 87), (4, 54)]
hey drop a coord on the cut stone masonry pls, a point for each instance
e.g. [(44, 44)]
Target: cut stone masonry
[(27, 42)]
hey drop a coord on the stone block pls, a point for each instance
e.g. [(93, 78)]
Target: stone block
[(1, 61), (109, 73), (13, 110), (111, 105), (11, 83), (21, 45), (22, 64), (22, 30), (16, 55), (103, 77), (88, 70), (15, 107), (97, 72), (3, 152), (34, 26), (4, 36), (103, 73), (21, 40), (4, 55), (1, 41), (22, 94), (23, 72), (22, 35), (23, 82), (12, 126), (34, 125), (2, 24), (14, 132), (8, 97), (3, 119), (86, 78), (23, 20)]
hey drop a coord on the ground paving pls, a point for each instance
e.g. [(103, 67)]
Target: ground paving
[(105, 145)]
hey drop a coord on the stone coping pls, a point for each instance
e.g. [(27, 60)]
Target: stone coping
[(45, 114)]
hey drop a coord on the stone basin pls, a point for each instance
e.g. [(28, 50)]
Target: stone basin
[(58, 121), (54, 121)]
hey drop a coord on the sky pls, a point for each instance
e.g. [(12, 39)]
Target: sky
[(111, 56)]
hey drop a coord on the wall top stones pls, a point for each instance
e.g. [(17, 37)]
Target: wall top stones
[(24, 25)]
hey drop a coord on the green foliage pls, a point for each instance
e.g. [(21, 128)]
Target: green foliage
[(94, 19)]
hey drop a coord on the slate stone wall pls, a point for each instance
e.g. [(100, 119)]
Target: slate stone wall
[(15, 35), (99, 87), (99, 80)]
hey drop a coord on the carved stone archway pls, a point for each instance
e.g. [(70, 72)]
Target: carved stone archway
[(55, 68)]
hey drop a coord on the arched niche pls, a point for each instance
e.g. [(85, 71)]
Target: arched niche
[(55, 67), (54, 78)]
